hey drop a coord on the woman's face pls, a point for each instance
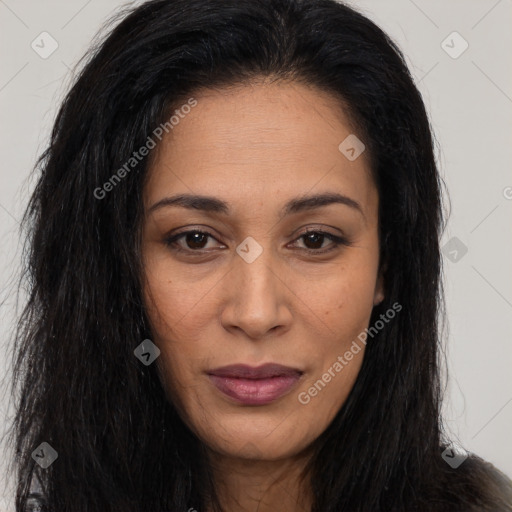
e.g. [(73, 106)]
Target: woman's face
[(256, 288)]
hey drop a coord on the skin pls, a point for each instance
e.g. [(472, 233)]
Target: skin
[(256, 147)]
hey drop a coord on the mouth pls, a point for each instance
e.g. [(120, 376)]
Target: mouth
[(255, 385)]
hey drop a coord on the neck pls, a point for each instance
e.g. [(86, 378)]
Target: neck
[(255, 485)]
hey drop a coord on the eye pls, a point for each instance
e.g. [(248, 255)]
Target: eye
[(314, 241), (194, 240)]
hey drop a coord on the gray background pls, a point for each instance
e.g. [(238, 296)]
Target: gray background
[(469, 99)]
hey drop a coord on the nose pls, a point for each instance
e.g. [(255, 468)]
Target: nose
[(256, 297)]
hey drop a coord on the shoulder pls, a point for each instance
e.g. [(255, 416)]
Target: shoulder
[(35, 499), (477, 486)]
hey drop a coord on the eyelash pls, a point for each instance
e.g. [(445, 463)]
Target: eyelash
[(336, 241)]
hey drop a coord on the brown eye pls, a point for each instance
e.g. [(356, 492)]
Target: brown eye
[(314, 241), (196, 239), (192, 241)]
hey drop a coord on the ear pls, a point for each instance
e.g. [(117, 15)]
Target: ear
[(379, 294)]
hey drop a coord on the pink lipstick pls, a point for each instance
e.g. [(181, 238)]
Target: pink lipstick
[(255, 385)]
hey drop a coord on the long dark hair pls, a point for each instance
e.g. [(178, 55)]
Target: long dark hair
[(121, 445)]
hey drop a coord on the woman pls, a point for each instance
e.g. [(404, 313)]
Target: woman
[(235, 275)]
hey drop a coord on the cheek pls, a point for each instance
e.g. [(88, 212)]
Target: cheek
[(342, 305), (177, 329), (179, 302), (341, 297), (169, 296)]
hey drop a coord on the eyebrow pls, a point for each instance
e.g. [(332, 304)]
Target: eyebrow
[(296, 205)]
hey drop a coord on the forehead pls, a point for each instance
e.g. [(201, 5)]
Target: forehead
[(257, 139)]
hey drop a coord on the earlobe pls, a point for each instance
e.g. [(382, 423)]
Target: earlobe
[(379, 289), (379, 297)]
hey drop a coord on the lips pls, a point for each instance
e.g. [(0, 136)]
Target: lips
[(255, 385), (249, 372)]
